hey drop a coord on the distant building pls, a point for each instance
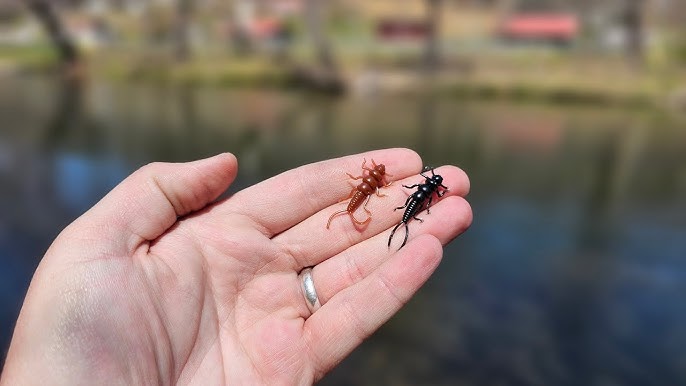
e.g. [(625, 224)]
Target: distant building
[(399, 29), (561, 28)]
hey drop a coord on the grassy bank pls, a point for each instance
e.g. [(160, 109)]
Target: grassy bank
[(542, 77), (33, 58)]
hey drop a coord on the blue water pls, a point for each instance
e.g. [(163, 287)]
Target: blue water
[(573, 272)]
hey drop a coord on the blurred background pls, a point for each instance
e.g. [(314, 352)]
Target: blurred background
[(569, 117)]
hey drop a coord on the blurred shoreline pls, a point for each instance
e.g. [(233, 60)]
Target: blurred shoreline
[(541, 77), (617, 53)]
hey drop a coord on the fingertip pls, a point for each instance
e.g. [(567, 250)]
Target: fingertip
[(226, 162), (468, 213), (429, 246), (218, 172), (455, 179), (465, 183), (408, 155), (400, 161), (464, 215), (456, 219), (229, 158), (417, 261)]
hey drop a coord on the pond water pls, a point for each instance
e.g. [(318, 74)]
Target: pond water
[(574, 271)]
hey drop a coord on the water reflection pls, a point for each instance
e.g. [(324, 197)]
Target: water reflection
[(572, 273)]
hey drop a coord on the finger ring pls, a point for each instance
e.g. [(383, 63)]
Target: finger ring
[(307, 286)]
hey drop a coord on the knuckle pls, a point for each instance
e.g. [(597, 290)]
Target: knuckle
[(355, 272)]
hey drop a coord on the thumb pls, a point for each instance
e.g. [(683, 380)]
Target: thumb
[(147, 203)]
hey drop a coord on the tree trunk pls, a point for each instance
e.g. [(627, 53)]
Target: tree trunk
[(322, 47), (633, 22), (431, 52), (48, 18), (182, 49)]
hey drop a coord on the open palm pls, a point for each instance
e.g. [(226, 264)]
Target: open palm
[(157, 284)]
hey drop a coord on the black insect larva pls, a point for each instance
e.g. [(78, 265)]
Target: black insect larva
[(415, 202)]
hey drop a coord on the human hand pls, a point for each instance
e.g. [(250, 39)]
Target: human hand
[(158, 284)]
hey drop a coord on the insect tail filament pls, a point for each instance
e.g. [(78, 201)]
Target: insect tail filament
[(393, 232), (334, 215)]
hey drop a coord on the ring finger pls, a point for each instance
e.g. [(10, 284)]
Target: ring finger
[(357, 262)]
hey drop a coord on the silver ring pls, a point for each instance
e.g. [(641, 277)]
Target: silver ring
[(307, 286)]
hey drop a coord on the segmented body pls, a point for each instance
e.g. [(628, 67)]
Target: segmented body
[(413, 208), (415, 202), (361, 193)]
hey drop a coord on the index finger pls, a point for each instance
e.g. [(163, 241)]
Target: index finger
[(282, 201)]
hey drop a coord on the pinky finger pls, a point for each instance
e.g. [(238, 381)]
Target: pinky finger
[(353, 314)]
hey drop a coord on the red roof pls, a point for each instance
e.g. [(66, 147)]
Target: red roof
[(541, 26)]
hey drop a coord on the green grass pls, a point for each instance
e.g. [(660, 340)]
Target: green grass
[(245, 73), (566, 95), (32, 57)]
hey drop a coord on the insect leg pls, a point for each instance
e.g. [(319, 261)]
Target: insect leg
[(354, 178), (365, 207), (428, 204), (352, 193), (369, 218), (365, 168), (358, 222), (406, 202)]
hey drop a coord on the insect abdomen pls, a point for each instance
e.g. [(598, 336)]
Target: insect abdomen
[(356, 201), (411, 210)]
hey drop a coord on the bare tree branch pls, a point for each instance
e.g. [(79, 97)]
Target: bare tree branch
[(53, 26)]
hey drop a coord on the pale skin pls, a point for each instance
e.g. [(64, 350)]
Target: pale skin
[(160, 284)]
